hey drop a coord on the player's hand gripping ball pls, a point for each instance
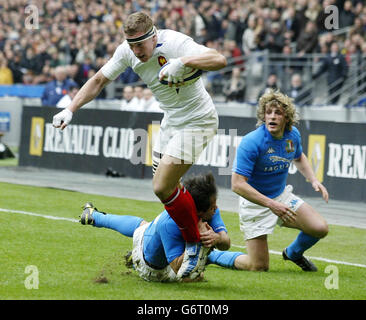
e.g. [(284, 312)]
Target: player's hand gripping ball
[(175, 72)]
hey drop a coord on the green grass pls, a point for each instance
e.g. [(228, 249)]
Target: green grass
[(82, 262)]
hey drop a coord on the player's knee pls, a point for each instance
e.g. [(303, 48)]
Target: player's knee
[(259, 267), (322, 229)]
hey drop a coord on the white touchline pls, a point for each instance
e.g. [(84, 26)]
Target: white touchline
[(38, 215), (233, 245), (315, 258)]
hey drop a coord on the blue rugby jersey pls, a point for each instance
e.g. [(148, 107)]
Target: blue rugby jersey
[(265, 160), (163, 241)]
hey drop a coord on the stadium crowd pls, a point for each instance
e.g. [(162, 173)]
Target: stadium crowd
[(81, 36)]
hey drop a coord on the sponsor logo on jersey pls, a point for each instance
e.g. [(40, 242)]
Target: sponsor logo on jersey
[(276, 158), (284, 165), (270, 150)]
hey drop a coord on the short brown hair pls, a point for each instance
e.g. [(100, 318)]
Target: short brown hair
[(201, 187), (137, 22), (273, 97)]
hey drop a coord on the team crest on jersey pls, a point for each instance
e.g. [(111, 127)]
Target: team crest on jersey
[(289, 146), (162, 60)]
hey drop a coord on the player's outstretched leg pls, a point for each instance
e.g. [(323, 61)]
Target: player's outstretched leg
[(224, 259), (87, 214), (123, 224)]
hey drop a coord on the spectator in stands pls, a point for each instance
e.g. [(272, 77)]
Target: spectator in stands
[(149, 102), (346, 16), (234, 54), (301, 7), (82, 75), (129, 101), (306, 44), (291, 24), (358, 27), (67, 98), (139, 94), (234, 89), (271, 83), (249, 37), (312, 11), (6, 75), (260, 33), (14, 65), (274, 39), (301, 95), (308, 39), (337, 70), (57, 88), (274, 42), (45, 76), (235, 27)]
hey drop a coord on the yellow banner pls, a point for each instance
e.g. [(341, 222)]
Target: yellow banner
[(152, 130), (316, 154), (36, 137)]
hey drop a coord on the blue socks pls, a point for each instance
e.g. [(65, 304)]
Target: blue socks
[(303, 242), (223, 258), (122, 224)]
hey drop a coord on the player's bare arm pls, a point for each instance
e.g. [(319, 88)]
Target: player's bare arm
[(176, 263), (211, 60), (303, 165), (241, 187), (88, 92)]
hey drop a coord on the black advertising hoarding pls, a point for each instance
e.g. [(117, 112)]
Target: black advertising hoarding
[(101, 139), (94, 141)]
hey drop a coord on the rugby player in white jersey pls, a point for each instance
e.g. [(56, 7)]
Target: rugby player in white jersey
[(190, 118)]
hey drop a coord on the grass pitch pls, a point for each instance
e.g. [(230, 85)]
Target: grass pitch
[(76, 262)]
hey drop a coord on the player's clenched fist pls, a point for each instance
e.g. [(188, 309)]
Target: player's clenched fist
[(62, 119)]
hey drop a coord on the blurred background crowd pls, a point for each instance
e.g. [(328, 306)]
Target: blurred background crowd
[(282, 44)]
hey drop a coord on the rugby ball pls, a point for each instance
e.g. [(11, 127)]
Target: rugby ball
[(190, 75)]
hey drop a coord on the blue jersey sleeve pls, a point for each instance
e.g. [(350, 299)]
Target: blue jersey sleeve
[(297, 136), (246, 156), (216, 223), (173, 242)]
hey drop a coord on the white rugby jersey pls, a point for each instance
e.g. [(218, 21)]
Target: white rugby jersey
[(190, 105)]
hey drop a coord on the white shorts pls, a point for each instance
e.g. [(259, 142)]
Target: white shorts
[(185, 144), (146, 272), (256, 220)]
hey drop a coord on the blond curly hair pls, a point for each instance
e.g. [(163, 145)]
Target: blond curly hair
[(277, 98)]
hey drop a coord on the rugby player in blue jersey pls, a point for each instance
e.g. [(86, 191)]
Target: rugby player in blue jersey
[(259, 177), (158, 246)]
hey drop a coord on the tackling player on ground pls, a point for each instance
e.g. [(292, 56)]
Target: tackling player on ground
[(259, 176), (158, 246), (190, 118)]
